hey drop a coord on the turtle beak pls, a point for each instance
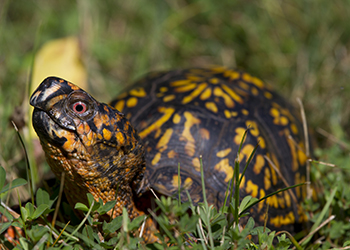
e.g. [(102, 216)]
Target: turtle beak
[(48, 93)]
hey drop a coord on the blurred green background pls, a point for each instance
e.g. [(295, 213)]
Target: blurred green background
[(299, 47)]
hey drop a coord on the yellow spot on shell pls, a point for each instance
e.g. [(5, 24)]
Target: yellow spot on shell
[(239, 135), (287, 199), (157, 134), (223, 153), (246, 151), (224, 166), (259, 163), (175, 181), (156, 158), (211, 106), (163, 89), (262, 143), (257, 82), (234, 75), (281, 220), (206, 94), (205, 134), (301, 155), (171, 154), (252, 188), (196, 164), (294, 129), (243, 181), (254, 91), (168, 98), (278, 118), (168, 112), (229, 114), (131, 102), (246, 77), (227, 99), (185, 88), (176, 118), (107, 135), (243, 85), (138, 92), (274, 112), (164, 140), (280, 201), (233, 94), (253, 128), (283, 120), (261, 204), (245, 112), (186, 134), (194, 93), (180, 83), (187, 184), (268, 95), (214, 80), (272, 201)]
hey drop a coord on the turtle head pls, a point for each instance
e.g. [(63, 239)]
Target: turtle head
[(92, 143)]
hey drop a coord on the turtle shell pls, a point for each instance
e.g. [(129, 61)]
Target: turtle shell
[(187, 116)]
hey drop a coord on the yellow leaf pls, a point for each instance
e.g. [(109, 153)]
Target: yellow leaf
[(61, 58)]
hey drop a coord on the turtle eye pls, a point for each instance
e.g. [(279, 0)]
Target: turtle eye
[(79, 107)]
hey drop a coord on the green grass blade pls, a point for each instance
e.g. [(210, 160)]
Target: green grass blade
[(267, 196)]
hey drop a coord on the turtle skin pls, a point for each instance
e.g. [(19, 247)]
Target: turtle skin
[(179, 117)]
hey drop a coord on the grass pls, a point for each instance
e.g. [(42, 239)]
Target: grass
[(204, 227), (299, 47)]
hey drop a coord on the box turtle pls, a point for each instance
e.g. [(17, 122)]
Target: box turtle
[(118, 151)]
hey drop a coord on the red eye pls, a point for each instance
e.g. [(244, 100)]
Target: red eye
[(79, 107)]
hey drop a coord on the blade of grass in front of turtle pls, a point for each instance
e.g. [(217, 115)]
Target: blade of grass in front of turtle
[(291, 238), (321, 216), (248, 161), (33, 166), (179, 183), (21, 218), (85, 218), (236, 173), (307, 147), (238, 180), (60, 193), (162, 226), (237, 158), (235, 176), (29, 173), (59, 236), (251, 204), (206, 204), (194, 212)]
